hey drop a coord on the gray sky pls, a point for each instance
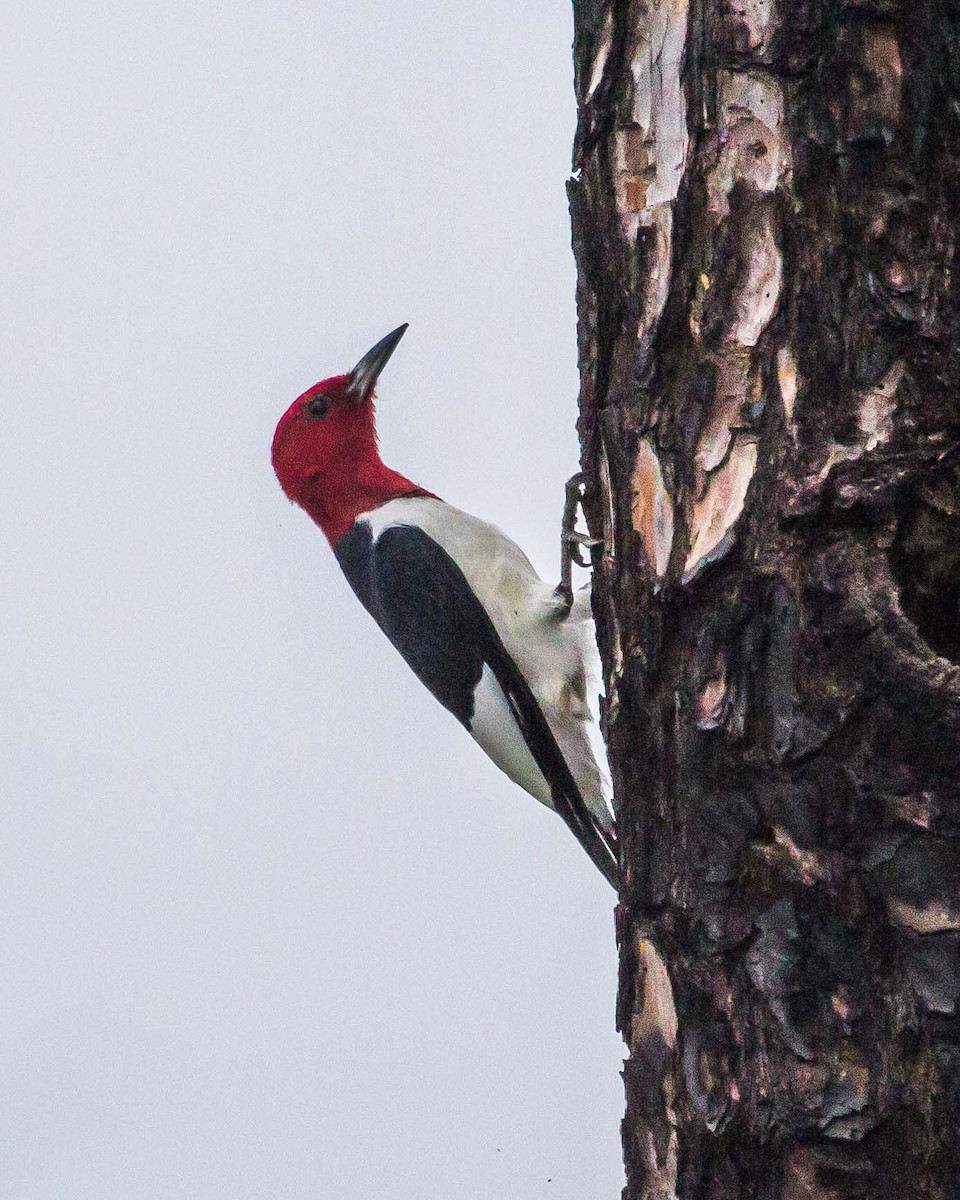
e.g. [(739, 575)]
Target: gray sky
[(273, 926)]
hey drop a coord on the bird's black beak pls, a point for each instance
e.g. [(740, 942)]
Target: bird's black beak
[(364, 376)]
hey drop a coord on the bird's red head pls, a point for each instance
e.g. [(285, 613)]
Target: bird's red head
[(325, 449)]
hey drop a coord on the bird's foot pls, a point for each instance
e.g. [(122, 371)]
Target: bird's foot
[(572, 542)]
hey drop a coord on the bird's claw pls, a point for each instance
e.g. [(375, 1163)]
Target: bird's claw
[(574, 540), (571, 540)]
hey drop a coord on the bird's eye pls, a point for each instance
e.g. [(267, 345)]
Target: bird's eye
[(319, 406)]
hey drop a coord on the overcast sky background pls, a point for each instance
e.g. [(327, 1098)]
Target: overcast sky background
[(273, 927)]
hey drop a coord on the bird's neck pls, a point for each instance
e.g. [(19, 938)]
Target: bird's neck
[(335, 497)]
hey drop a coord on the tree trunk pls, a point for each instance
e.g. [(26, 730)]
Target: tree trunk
[(765, 210)]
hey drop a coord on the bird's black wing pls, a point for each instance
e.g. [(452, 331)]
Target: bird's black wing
[(419, 597)]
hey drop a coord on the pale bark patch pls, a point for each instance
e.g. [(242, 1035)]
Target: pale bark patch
[(727, 412), (650, 151), (930, 918), (657, 1015), (877, 407), (604, 43), (715, 515), (652, 508), (754, 21), (757, 293), (752, 141), (713, 703), (787, 379)]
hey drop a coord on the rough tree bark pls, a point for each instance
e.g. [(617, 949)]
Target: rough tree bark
[(765, 208)]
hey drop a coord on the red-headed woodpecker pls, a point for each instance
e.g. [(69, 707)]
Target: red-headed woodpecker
[(504, 651)]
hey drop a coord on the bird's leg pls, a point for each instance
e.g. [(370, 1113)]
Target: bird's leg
[(571, 540)]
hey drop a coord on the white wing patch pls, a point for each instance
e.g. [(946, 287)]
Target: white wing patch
[(496, 732)]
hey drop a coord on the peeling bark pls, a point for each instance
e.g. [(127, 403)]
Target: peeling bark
[(765, 205)]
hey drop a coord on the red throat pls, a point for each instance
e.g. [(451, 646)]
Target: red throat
[(334, 500), (331, 466)]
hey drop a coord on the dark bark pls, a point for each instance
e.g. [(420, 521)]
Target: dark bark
[(765, 208)]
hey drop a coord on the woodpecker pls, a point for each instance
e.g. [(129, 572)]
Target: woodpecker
[(504, 651)]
